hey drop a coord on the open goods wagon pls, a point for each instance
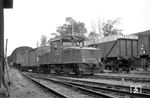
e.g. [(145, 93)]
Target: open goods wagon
[(121, 47), (118, 54)]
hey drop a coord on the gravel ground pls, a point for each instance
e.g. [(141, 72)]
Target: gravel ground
[(70, 92), (23, 88)]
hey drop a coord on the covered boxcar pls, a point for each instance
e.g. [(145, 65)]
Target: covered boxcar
[(29, 60), (13, 57)]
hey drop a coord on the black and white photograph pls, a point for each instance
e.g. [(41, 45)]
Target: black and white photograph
[(74, 48)]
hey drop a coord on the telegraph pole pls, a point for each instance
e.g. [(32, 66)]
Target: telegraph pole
[(3, 4)]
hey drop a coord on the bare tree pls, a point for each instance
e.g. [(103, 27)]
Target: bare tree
[(97, 28), (94, 27), (106, 28), (109, 27)]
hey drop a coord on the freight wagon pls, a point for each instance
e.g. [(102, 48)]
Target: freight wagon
[(118, 55), (29, 60), (12, 59)]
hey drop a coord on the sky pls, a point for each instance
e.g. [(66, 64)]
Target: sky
[(29, 19)]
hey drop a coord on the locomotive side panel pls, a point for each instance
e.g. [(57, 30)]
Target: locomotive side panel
[(77, 56), (91, 56), (71, 56)]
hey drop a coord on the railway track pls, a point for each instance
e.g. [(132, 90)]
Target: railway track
[(45, 87), (113, 90), (115, 77), (126, 78), (89, 93)]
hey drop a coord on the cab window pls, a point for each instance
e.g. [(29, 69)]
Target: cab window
[(67, 44)]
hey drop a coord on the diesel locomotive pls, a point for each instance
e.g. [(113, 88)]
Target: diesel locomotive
[(65, 55)]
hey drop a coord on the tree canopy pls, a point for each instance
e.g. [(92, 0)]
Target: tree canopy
[(92, 35), (105, 29), (72, 27), (109, 28)]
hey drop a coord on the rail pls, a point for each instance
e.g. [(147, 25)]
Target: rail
[(88, 91), (45, 87), (96, 86)]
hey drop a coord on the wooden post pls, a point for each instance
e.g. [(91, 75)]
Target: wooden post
[(3, 4), (1, 42)]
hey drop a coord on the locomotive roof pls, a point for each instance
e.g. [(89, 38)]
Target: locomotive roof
[(68, 38)]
